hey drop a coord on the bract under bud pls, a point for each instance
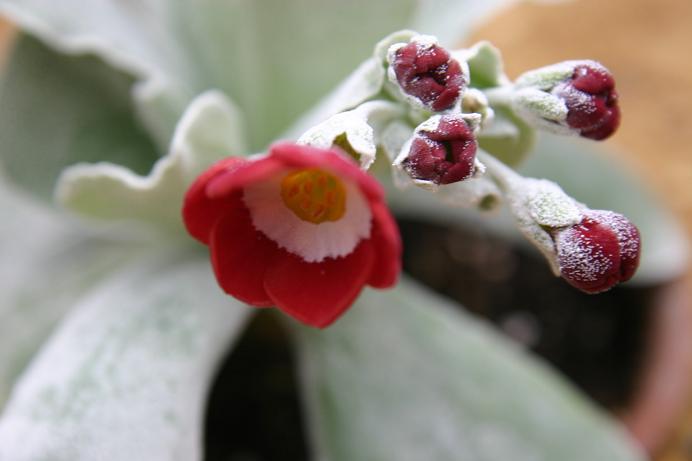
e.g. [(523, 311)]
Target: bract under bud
[(570, 97), (425, 73), (600, 251), (442, 151)]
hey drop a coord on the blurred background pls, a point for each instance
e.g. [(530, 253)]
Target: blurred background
[(644, 43)]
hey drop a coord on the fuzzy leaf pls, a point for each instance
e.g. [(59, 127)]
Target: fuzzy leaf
[(406, 376), (46, 265), (206, 133), (56, 110), (357, 131), (508, 137), (586, 172), (126, 375), (485, 64)]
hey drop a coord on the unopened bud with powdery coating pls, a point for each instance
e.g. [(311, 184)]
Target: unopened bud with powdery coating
[(424, 73), (441, 151), (599, 252), (569, 97)]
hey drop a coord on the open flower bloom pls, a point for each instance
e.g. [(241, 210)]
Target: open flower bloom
[(300, 228)]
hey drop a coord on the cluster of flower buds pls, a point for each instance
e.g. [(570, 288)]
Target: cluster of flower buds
[(442, 149), (600, 251), (572, 97)]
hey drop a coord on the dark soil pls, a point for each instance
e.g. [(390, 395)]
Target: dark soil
[(596, 341)]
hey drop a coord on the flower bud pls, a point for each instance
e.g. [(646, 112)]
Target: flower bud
[(598, 252), (442, 151), (579, 96), (425, 73)]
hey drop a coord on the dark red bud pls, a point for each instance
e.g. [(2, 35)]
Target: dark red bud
[(591, 100), (445, 155), (599, 252), (428, 73)]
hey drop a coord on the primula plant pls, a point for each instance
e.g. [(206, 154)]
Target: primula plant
[(207, 163)]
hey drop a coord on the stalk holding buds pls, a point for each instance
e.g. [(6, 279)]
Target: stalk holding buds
[(441, 151), (598, 252), (425, 73), (569, 97)]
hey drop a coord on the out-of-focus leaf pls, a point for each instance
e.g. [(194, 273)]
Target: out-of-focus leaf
[(46, 265), (56, 110), (586, 172), (405, 376), (274, 58), (126, 375), (508, 137), (206, 133), (135, 37)]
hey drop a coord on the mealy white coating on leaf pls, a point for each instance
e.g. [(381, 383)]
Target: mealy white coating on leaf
[(361, 126), (548, 204), (545, 78), (539, 104), (206, 133), (312, 242), (478, 191), (374, 390), (127, 374), (538, 204), (33, 243)]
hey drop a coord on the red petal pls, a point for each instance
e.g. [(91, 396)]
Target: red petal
[(250, 172), (387, 243), (241, 255), (318, 293), (200, 213)]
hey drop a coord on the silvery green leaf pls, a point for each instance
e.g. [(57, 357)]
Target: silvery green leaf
[(358, 131), (206, 133), (542, 110), (393, 138), (588, 173), (126, 375), (540, 206), (485, 64), (480, 192), (56, 110), (406, 376), (138, 39), (47, 264), (507, 137)]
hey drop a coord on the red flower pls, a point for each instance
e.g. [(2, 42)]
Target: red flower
[(301, 228), (599, 252)]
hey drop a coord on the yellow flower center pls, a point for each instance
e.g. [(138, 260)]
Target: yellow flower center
[(314, 195)]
